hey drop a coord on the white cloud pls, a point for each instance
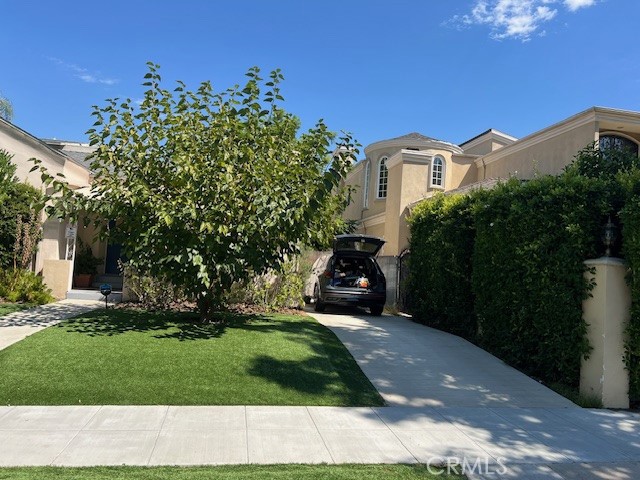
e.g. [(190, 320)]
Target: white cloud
[(519, 19), (84, 74), (574, 5)]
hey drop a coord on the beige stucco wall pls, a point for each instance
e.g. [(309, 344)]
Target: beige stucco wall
[(409, 181), (377, 205), (394, 200), (481, 148), (24, 147), (463, 171), (607, 314), (544, 156), (377, 231), (56, 275), (355, 179)]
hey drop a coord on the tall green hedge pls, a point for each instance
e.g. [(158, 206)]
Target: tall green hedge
[(528, 272), (442, 233), (630, 218), (505, 268)]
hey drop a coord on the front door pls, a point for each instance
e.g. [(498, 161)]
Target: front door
[(114, 251), (113, 255)]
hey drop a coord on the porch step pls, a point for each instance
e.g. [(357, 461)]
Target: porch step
[(114, 280), (115, 297)]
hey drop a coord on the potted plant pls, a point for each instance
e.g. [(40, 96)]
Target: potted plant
[(85, 266)]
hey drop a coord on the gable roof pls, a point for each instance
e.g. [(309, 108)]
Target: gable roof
[(38, 143)]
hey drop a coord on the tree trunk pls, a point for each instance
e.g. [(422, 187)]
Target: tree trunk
[(208, 304)]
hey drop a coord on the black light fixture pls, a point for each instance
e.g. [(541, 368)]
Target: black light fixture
[(105, 289), (609, 236)]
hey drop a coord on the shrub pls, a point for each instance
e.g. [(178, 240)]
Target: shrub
[(17, 201), (17, 285), (528, 271), (605, 163), (152, 292), (276, 289), (442, 236)]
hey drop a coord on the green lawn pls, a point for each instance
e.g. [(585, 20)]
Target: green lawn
[(240, 472), (125, 357), (6, 308)]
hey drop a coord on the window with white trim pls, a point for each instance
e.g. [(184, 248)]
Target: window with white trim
[(366, 183), (437, 172), (383, 177)]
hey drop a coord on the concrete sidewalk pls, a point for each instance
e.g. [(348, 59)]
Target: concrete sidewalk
[(451, 403), (520, 440), (18, 325), (414, 365)]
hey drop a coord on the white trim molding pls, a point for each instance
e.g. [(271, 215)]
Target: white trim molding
[(379, 166), (592, 115)]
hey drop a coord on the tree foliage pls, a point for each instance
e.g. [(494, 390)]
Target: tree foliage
[(209, 187), (6, 109), (18, 208)]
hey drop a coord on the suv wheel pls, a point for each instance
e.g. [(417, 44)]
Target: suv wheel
[(376, 310), (319, 305)]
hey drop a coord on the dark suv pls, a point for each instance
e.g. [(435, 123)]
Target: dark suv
[(351, 276)]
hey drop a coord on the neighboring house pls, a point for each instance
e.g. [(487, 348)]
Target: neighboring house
[(399, 172), (54, 257)]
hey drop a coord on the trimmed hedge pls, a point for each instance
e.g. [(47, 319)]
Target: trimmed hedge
[(630, 218), (505, 268), (442, 233), (528, 272)]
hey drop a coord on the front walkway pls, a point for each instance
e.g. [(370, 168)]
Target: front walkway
[(18, 325), (417, 366)]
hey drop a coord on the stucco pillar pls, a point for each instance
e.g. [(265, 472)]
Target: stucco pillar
[(57, 274), (607, 314)]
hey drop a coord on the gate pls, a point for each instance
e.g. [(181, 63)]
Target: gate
[(404, 292)]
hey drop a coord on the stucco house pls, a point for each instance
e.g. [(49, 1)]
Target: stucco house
[(394, 175), (55, 254), (399, 172)]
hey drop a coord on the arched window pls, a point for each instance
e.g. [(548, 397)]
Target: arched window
[(437, 172), (383, 178), (617, 142), (366, 183)]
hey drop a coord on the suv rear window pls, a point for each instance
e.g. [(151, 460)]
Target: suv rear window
[(350, 244)]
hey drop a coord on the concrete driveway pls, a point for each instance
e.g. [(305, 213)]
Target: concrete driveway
[(417, 366)]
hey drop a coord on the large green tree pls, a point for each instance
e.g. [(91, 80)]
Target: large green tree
[(208, 188)]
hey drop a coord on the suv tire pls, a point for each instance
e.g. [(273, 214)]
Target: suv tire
[(376, 310)]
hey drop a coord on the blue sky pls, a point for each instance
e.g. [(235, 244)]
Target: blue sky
[(447, 69)]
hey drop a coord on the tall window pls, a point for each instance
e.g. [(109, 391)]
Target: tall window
[(616, 142), (437, 172), (367, 175), (383, 178)]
